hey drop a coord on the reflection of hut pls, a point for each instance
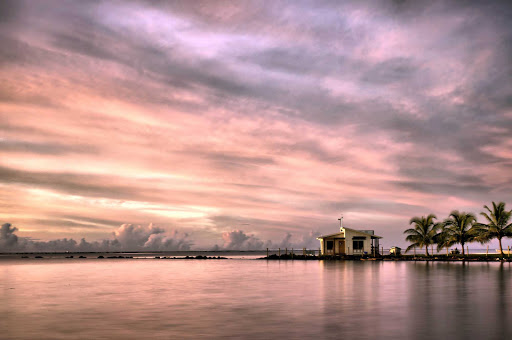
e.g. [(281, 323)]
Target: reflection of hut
[(395, 250), (350, 242)]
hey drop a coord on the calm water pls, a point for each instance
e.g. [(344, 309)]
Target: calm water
[(253, 299)]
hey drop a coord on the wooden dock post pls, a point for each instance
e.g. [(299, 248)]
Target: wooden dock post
[(319, 252), (303, 251), (382, 253), (487, 252)]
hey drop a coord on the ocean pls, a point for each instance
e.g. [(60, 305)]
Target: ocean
[(244, 298)]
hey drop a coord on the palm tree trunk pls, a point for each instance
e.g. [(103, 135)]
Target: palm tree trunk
[(463, 253), (501, 248), (426, 250)]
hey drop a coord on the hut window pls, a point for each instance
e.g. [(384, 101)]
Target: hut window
[(330, 245), (358, 244)]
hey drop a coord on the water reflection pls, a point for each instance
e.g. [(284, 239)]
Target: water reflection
[(503, 294), (458, 300), (243, 299)]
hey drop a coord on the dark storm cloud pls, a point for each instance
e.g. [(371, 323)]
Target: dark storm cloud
[(391, 71), (468, 190), (74, 184), (44, 148), (313, 149), (9, 10), (16, 52), (176, 68), (369, 205), (101, 186), (445, 133), (297, 60), (121, 188), (169, 67), (227, 160), (87, 44)]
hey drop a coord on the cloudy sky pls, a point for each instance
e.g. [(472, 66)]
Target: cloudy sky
[(236, 122)]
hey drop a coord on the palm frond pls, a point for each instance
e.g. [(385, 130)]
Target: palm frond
[(411, 247)]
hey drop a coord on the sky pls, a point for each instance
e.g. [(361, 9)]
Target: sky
[(239, 125)]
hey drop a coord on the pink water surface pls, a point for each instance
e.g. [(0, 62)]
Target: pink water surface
[(252, 299)]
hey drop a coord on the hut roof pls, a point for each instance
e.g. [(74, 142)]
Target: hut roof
[(341, 234)]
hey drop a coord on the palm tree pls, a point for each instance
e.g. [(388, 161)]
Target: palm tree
[(424, 232), (459, 228), (498, 225)]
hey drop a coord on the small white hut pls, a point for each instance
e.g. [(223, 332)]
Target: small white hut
[(350, 242)]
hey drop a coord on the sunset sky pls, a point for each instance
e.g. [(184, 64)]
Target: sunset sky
[(231, 124)]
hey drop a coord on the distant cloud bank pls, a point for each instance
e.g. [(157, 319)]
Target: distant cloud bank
[(131, 237), (239, 240), (127, 237)]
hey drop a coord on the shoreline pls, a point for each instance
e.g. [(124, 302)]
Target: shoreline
[(400, 258), (255, 255)]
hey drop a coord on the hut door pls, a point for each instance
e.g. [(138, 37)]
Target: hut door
[(342, 247)]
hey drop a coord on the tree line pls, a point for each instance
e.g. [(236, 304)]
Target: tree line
[(460, 228)]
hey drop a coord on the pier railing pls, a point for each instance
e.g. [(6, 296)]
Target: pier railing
[(315, 252), (389, 251)]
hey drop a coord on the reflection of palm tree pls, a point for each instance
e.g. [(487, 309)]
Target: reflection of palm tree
[(424, 232), (502, 290), (498, 225), (458, 228)]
